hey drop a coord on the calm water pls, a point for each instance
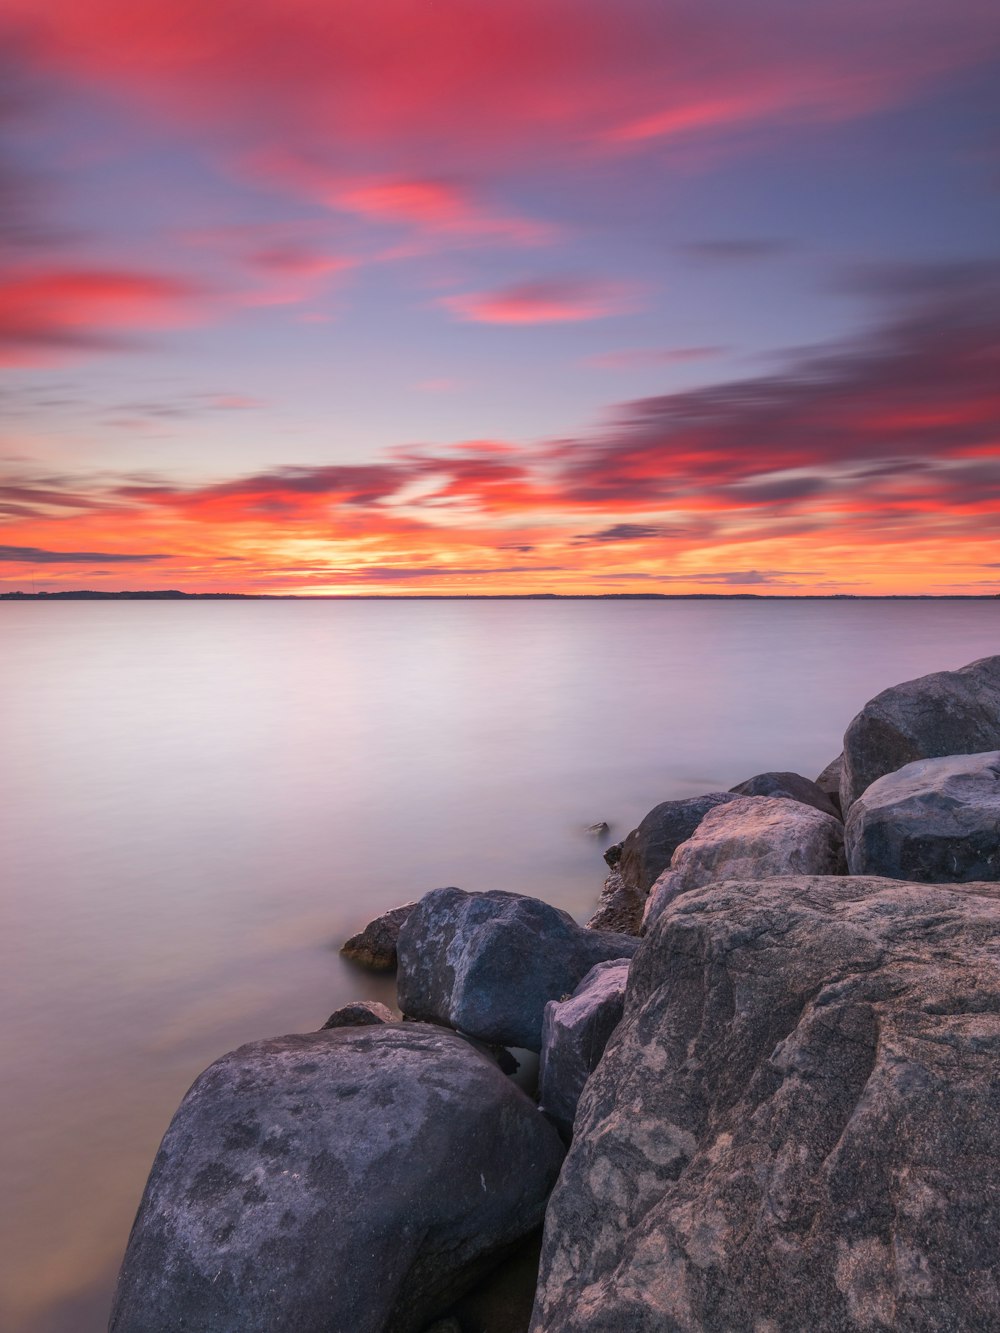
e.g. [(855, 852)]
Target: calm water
[(199, 800)]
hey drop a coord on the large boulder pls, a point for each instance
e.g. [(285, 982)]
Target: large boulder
[(796, 1124), (644, 855), (488, 963), (793, 786), (936, 820), (359, 1178), (948, 712), (753, 837), (375, 946), (574, 1035)]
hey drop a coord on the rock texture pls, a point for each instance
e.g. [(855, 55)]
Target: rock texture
[(936, 821), (620, 908), (829, 779), (753, 837), (793, 786), (948, 712), (574, 1035), (355, 1179), (375, 946), (360, 1013), (646, 852), (488, 963), (795, 1125)]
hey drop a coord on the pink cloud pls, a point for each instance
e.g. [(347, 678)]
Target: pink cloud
[(545, 301)]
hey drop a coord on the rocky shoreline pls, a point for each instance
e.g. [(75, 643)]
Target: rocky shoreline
[(767, 1096)]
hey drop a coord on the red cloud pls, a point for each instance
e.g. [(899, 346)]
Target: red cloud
[(50, 312), (546, 301)]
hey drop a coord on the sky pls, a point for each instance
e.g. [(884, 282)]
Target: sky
[(340, 297)]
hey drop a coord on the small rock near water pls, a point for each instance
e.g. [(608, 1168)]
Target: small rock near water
[(488, 963), (620, 908), (360, 1013), (574, 1035), (945, 713), (936, 821), (375, 946), (753, 837), (358, 1179)]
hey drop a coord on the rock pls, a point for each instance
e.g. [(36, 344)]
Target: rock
[(360, 1179), (375, 946), (948, 712), (753, 837), (796, 1124), (597, 830), (613, 854), (620, 908), (488, 963), (502, 1302), (792, 786), (359, 1013), (936, 821), (647, 850), (574, 1035), (829, 779)]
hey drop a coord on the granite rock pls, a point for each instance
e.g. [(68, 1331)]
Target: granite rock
[(935, 820), (947, 712), (753, 837), (488, 963), (375, 946), (795, 1125), (792, 786), (299, 1186), (359, 1013), (644, 855)]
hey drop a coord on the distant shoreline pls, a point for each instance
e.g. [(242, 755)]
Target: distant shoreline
[(173, 595)]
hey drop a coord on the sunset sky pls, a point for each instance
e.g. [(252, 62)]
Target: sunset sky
[(499, 296)]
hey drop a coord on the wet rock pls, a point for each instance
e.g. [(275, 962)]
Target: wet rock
[(620, 907), (753, 837), (597, 830), (936, 821), (647, 850), (360, 1178), (574, 1035), (487, 963), (792, 786), (795, 1125), (375, 946), (948, 712), (360, 1013)]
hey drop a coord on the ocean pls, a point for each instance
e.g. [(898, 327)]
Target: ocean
[(200, 800)]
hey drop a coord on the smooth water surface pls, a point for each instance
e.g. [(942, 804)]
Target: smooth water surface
[(200, 800)]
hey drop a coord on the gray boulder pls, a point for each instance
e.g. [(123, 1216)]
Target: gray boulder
[(753, 837), (359, 1013), (829, 779), (375, 946), (948, 712), (360, 1179), (646, 852), (936, 821), (488, 963), (620, 908), (792, 786), (574, 1035), (796, 1124)]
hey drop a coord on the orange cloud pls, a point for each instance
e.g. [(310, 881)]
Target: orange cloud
[(546, 301)]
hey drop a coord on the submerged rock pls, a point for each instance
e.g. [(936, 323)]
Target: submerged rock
[(574, 1035), (646, 852), (792, 786), (375, 946), (488, 963), (795, 1125), (359, 1179), (936, 820), (753, 837), (360, 1013), (948, 712)]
